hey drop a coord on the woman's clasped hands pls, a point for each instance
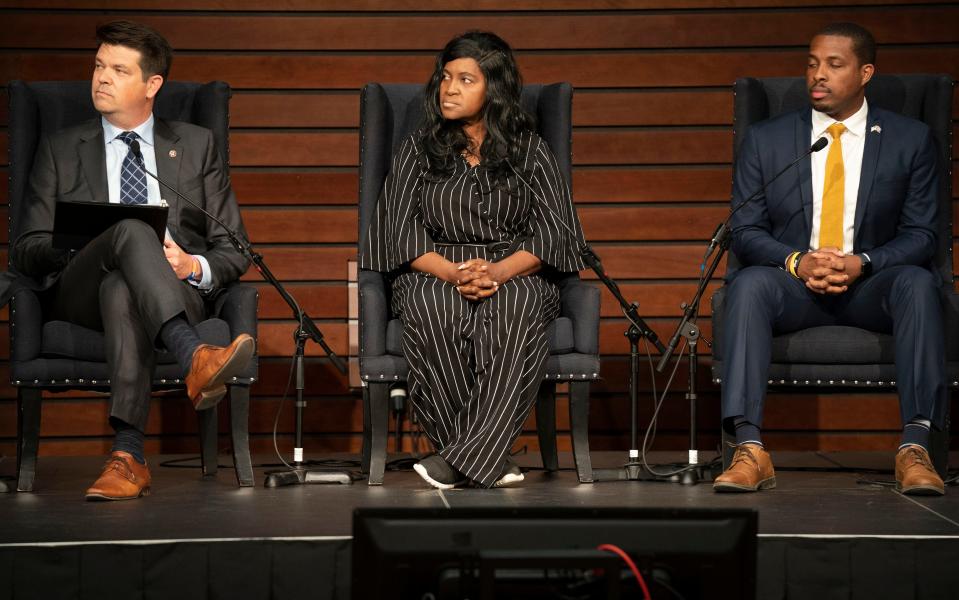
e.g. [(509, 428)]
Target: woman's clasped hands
[(478, 279)]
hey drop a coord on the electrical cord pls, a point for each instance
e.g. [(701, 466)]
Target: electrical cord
[(629, 562), (279, 409)]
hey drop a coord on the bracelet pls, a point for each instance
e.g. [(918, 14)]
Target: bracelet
[(794, 267), (788, 263)]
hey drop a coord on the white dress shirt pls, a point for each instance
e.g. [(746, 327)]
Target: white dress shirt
[(853, 142)]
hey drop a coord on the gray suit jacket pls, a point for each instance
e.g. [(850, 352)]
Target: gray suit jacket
[(71, 165)]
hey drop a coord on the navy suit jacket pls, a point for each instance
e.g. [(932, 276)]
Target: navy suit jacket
[(897, 202)]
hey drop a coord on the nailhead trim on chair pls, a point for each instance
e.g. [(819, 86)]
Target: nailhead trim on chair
[(818, 382)]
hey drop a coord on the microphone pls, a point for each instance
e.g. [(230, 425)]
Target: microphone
[(722, 230), (719, 238), (244, 247)]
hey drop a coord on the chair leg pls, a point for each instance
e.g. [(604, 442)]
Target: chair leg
[(379, 430), (240, 434), (939, 446), (28, 436), (208, 440), (367, 434), (546, 425), (579, 424)]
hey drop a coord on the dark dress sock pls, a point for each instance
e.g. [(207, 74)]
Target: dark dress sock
[(916, 434), (180, 339), (747, 432), (128, 439)]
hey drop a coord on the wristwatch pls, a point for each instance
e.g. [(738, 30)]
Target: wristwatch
[(192, 278), (866, 265)]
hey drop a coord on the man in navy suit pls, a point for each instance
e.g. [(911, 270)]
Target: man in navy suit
[(845, 238)]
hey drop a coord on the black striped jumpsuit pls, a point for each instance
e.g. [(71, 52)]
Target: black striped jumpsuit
[(475, 367)]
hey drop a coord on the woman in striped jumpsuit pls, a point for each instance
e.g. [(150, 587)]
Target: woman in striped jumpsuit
[(474, 217)]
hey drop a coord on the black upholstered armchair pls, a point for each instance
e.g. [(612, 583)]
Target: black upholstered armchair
[(390, 113), (57, 356), (836, 356)]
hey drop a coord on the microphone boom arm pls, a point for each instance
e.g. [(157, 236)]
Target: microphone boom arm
[(307, 326)]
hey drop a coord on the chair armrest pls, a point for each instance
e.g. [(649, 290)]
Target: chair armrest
[(26, 325), (579, 301), (374, 313), (237, 305)]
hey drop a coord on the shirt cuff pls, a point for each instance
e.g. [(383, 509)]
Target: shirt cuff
[(206, 282)]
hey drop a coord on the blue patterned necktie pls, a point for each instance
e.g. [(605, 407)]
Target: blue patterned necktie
[(133, 180)]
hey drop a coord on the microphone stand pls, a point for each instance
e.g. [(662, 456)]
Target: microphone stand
[(689, 330), (306, 330), (633, 469)]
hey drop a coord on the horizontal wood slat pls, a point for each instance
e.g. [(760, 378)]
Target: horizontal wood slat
[(590, 147), (599, 223), (327, 109), (622, 262), (174, 415), (586, 70), (590, 184), (374, 6)]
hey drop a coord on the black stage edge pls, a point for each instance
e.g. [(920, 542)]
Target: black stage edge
[(821, 534)]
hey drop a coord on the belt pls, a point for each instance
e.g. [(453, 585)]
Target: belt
[(492, 247)]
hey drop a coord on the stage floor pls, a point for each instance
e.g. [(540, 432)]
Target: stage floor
[(185, 506)]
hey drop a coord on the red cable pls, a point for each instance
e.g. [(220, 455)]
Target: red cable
[(629, 562)]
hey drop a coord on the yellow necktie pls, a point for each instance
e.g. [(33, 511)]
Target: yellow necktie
[(830, 223)]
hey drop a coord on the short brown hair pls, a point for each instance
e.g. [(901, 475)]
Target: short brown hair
[(156, 55)]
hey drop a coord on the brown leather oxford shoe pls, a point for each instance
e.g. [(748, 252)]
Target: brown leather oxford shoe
[(212, 366), (751, 470), (915, 474), (123, 478)]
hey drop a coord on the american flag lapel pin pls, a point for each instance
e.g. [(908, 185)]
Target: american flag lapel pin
[(876, 129), (173, 152)]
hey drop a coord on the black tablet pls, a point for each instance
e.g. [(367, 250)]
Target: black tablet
[(76, 223)]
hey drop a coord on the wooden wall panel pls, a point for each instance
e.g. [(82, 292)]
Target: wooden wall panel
[(652, 149)]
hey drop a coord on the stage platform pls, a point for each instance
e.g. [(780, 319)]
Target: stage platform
[(822, 533)]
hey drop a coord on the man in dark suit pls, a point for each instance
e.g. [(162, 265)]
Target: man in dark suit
[(847, 239), (143, 294)]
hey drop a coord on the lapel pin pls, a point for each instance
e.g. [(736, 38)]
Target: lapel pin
[(173, 152), (876, 129)]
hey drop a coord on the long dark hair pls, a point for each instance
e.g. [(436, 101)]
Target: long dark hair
[(443, 141)]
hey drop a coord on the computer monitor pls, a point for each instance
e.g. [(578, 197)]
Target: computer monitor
[(552, 552)]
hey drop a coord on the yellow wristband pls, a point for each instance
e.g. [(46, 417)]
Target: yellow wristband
[(789, 263)]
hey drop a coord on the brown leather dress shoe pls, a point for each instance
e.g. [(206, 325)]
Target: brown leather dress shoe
[(915, 474), (123, 478), (751, 470), (212, 366)]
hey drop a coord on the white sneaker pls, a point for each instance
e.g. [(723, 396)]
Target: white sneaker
[(511, 474)]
